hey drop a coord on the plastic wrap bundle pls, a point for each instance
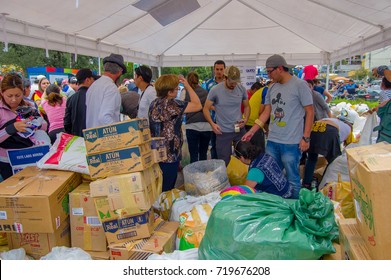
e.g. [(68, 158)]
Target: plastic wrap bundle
[(205, 176), (263, 226)]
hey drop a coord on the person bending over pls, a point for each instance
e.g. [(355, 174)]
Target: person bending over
[(264, 174)]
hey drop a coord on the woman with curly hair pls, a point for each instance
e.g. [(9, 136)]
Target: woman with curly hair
[(264, 174), (54, 105)]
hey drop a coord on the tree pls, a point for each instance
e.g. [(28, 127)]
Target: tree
[(361, 73), (25, 56)]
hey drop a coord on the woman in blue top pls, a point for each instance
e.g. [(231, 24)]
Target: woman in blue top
[(264, 174)]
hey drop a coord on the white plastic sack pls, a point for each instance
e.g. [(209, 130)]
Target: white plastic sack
[(67, 153), (367, 135), (191, 254), (65, 253), (187, 203), (15, 254)]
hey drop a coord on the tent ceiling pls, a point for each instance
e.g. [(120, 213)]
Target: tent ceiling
[(196, 33)]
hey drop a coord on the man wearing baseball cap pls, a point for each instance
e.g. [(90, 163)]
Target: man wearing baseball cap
[(103, 99), (75, 111), (289, 106), (226, 98)]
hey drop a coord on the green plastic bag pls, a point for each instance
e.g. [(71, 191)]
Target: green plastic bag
[(263, 226)]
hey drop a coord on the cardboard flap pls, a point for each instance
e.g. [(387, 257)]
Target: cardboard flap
[(15, 184), (362, 153), (33, 181), (379, 162)]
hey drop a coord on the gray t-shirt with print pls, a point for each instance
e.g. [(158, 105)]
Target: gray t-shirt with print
[(287, 114), (227, 105)]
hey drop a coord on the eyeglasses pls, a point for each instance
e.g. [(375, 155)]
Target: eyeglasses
[(237, 154), (271, 71)]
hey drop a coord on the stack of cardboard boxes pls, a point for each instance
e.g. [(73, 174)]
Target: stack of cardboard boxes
[(42, 209), (34, 209), (123, 159)]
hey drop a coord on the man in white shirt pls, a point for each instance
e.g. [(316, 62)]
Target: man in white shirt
[(103, 100), (143, 77)]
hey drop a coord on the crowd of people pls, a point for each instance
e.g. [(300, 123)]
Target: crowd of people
[(269, 127)]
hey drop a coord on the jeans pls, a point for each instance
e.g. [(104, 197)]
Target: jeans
[(198, 142), (288, 158), (170, 174), (213, 152), (224, 144)]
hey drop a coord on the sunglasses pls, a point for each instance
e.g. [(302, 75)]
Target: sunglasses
[(271, 71)]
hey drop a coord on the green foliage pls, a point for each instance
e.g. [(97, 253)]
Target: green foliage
[(371, 104), (24, 57), (203, 72), (361, 74)]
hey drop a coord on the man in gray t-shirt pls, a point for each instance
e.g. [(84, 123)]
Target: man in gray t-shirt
[(289, 106), (226, 98)]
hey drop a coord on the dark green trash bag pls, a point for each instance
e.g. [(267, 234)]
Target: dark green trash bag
[(263, 226)]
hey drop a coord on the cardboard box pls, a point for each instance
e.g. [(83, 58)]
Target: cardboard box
[(353, 246), (139, 189), (37, 244), (122, 161), (99, 255), (162, 240), (370, 177), (337, 256), (116, 136), (159, 150), (86, 229), (125, 224), (36, 200)]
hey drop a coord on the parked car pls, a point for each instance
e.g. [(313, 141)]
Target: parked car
[(368, 94)]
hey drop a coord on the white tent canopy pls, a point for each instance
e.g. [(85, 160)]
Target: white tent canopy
[(198, 32)]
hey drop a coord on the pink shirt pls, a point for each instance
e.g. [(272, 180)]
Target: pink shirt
[(55, 113)]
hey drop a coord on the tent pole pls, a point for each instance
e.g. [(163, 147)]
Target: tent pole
[(327, 77)]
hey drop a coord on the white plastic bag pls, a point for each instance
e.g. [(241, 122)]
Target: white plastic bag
[(187, 203), (65, 253), (205, 176), (15, 254), (191, 254)]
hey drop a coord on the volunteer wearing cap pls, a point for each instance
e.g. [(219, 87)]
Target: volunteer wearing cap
[(75, 112), (226, 98), (382, 71), (289, 106), (103, 99)]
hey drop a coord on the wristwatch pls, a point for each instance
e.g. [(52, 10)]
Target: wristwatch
[(306, 139)]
